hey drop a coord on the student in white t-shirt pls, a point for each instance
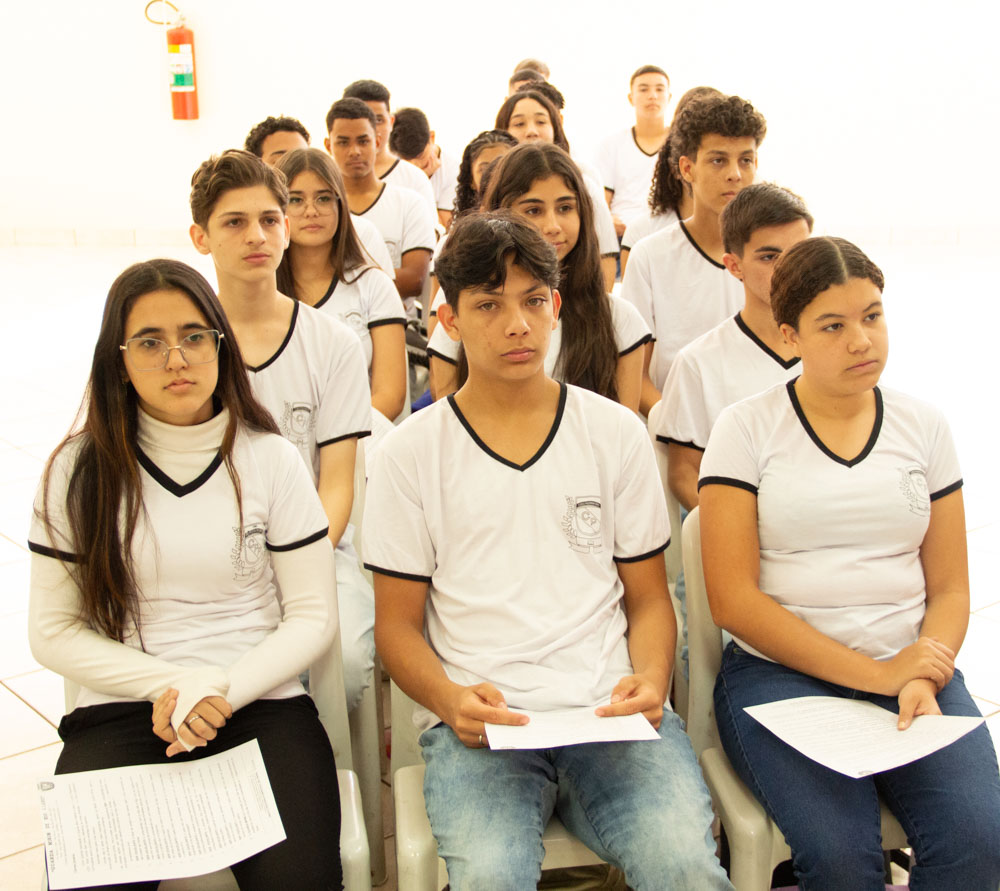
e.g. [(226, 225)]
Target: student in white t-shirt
[(743, 355), (669, 197), (599, 338), (326, 267), (627, 159), (833, 537), (676, 277), (530, 116), (521, 568), (305, 367), (163, 530), (398, 213), (388, 167), (412, 139)]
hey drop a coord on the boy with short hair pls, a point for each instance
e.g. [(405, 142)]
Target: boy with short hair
[(276, 136), (413, 140), (398, 213), (305, 367), (523, 79), (522, 568), (743, 355), (387, 166), (628, 158), (676, 277)]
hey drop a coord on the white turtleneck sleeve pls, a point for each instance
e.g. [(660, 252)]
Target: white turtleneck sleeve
[(212, 621)]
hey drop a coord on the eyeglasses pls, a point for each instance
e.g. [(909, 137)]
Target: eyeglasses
[(151, 354), (324, 205)]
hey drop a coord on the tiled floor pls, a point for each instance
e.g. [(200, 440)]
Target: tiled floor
[(943, 309)]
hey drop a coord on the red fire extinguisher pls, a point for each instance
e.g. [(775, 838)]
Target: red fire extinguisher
[(183, 83)]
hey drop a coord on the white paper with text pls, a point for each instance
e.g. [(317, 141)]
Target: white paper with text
[(567, 727), (157, 821), (854, 737)]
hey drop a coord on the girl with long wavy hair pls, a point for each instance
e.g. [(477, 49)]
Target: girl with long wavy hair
[(596, 344), (163, 530)]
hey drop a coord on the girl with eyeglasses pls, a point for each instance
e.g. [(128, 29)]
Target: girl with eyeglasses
[(163, 530)]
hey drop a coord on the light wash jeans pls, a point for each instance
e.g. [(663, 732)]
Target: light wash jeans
[(948, 802), (641, 806)]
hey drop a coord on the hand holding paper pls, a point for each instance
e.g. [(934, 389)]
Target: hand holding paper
[(568, 727)]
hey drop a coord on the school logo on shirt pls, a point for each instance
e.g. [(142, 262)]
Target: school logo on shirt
[(582, 524), (249, 552), (298, 421), (913, 485), (355, 321)]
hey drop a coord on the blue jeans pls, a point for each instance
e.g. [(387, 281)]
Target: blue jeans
[(948, 803), (642, 806)]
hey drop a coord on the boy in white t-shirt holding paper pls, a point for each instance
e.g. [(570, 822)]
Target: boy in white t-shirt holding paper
[(676, 277), (744, 355), (522, 567)]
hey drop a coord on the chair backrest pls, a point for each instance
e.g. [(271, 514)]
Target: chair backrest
[(405, 739), (673, 553), (704, 643)]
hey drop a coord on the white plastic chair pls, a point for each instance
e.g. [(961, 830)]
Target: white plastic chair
[(418, 867), (672, 556), (756, 845)]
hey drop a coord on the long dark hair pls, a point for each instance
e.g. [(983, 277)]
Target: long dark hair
[(466, 195), (104, 495), (347, 254), (588, 354), (507, 111)]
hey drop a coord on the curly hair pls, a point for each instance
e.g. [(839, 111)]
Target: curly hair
[(666, 192), (466, 195), (809, 268), (588, 356), (507, 112), (254, 142), (549, 91), (728, 116)]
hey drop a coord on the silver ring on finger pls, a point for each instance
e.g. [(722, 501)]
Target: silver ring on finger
[(481, 740)]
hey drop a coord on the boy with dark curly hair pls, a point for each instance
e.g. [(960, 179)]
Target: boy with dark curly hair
[(676, 277), (276, 136)]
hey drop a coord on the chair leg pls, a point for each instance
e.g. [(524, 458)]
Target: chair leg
[(366, 741)]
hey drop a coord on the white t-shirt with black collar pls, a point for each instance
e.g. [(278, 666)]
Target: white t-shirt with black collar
[(645, 224), (631, 333), (839, 539), (368, 300), (680, 291), (207, 588), (727, 364), (520, 561), (315, 385), (404, 175), (401, 217), (627, 170)]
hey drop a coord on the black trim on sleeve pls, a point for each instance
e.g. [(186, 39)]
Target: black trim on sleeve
[(441, 356), (173, 487), (947, 490), (612, 254), (378, 323), (45, 551), (645, 556), (301, 543), (410, 577), (328, 294), (688, 445), (534, 458), (790, 363), (726, 481), (647, 338), (284, 343), (697, 246), (876, 428), (412, 249), (360, 434)]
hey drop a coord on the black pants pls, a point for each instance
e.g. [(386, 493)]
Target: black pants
[(299, 764)]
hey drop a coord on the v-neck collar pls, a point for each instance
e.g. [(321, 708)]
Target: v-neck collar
[(328, 294), (745, 328), (284, 343), (170, 484), (534, 458), (697, 246), (876, 428)]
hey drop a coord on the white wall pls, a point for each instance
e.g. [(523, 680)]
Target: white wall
[(882, 114)]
